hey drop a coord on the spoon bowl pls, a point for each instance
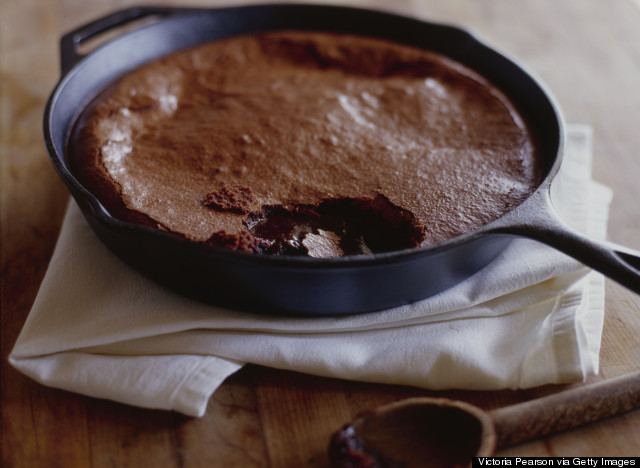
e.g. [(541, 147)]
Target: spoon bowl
[(424, 432)]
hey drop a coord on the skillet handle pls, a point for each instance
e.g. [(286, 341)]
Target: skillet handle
[(621, 264), (69, 43)]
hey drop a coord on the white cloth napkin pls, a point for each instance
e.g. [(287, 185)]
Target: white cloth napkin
[(531, 317)]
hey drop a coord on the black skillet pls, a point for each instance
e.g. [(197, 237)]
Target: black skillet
[(308, 286)]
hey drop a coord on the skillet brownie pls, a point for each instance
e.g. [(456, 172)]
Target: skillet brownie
[(305, 143)]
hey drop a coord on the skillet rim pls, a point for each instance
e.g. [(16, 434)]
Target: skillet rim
[(348, 261)]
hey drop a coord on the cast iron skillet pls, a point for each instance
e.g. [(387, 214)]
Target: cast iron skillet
[(308, 286)]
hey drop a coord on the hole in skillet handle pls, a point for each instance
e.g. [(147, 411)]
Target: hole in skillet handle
[(75, 45)]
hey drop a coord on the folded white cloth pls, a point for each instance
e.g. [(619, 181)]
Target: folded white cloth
[(531, 317)]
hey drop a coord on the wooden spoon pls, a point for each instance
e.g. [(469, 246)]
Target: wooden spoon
[(436, 432)]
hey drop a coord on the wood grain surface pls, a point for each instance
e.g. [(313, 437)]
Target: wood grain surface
[(588, 53)]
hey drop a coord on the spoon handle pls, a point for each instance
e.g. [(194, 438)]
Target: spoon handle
[(565, 410)]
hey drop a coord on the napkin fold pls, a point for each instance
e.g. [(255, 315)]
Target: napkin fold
[(531, 317)]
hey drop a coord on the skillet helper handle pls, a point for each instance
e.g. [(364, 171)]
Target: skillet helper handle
[(70, 42), (619, 263), (566, 410)]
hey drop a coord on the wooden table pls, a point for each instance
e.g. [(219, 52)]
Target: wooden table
[(587, 51)]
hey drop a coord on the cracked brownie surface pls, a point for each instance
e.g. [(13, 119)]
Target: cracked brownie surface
[(346, 144)]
